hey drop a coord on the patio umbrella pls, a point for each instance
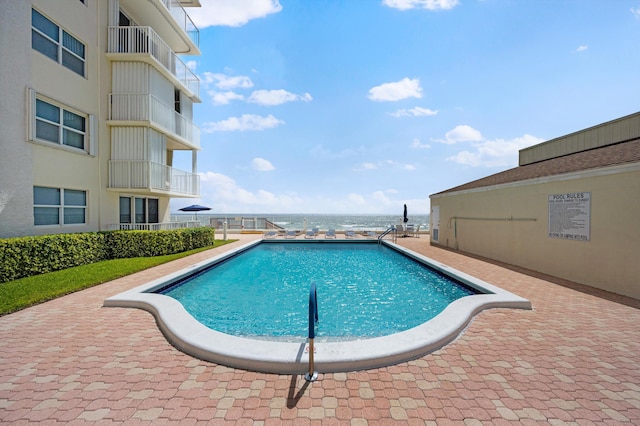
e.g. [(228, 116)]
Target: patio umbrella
[(195, 208), (406, 219)]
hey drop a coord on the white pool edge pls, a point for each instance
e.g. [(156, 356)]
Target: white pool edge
[(190, 336)]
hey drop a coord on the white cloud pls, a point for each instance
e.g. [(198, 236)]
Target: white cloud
[(262, 165), (232, 13), (192, 65), (582, 48), (246, 122), (496, 153), (276, 97), (366, 166), (223, 98), (381, 197), (356, 199), (413, 112), (636, 12), (421, 4), (362, 167), (416, 144), (225, 195), (226, 82), (396, 91), (461, 133)]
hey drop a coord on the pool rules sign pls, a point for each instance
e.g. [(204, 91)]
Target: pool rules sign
[(570, 216)]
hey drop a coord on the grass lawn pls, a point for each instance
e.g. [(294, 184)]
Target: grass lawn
[(29, 291)]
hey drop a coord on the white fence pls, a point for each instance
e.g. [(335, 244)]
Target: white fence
[(151, 226)]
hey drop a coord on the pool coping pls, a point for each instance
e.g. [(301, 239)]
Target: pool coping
[(190, 336)]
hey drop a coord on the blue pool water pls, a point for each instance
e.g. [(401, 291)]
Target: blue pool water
[(364, 290)]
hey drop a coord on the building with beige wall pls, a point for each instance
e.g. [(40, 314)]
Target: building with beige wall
[(571, 209), (96, 103)]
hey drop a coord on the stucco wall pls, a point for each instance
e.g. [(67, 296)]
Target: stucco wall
[(16, 217), (510, 224)]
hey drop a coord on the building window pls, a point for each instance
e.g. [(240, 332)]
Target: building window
[(54, 42), (145, 210), (59, 125), (125, 210), (55, 206)]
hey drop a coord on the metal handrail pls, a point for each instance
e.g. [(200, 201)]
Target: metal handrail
[(391, 228), (312, 375)]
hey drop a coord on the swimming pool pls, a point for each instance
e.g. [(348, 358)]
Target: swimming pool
[(192, 337), (364, 290)]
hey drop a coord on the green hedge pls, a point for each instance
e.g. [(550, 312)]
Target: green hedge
[(26, 256)]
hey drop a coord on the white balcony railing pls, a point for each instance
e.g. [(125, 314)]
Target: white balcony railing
[(183, 19), (140, 174), (141, 107), (144, 40)]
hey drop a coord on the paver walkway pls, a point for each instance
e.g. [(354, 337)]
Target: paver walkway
[(573, 359)]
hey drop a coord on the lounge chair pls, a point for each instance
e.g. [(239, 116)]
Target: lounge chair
[(331, 233), (409, 230), (371, 234), (416, 232), (290, 234), (310, 234), (350, 234), (270, 234)]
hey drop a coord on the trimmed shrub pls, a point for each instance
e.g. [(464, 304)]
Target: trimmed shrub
[(194, 238), (26, 256), (125, 244)]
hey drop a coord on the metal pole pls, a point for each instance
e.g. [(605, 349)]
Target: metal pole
[(312, 375)]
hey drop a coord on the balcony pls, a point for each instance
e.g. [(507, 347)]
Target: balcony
[(143, 43), (170, 19), (130, 108), (149, 177), (183, 19)]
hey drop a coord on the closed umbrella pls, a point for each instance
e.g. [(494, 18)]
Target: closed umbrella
[(406, 219)]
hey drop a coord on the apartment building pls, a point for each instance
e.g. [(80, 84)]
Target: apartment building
[(96, 103)]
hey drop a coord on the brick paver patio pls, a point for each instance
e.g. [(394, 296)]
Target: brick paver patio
[(573, 359)]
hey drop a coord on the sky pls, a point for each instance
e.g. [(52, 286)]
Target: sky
[(362, 106)]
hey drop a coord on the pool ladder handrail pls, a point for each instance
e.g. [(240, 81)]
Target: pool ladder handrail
[(312, 375), (392, 228)]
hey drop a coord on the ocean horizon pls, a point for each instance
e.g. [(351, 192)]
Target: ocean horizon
[(339, 222)]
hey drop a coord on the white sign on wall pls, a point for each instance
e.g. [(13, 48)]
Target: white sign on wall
[(570, 216), (435, 222)]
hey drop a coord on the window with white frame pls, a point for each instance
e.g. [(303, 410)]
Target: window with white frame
[(56, 43), (56, 124), (57, 206)]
